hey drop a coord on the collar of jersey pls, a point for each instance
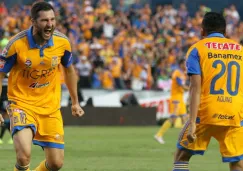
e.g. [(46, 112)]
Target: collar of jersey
[(32, 41), (216, 35)]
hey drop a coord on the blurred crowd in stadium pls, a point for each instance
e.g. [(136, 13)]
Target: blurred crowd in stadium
[(122, 47)]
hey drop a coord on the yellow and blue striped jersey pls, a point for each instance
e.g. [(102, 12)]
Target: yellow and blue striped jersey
[(219, 62), (35, 80)]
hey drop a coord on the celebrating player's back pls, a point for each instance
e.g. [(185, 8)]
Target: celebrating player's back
[(219, 61), (215, 67)]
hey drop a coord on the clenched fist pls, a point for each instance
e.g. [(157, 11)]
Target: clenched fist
[(77, 110)]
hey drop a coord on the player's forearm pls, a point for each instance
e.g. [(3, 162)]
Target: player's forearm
[(194, 101), (194, 104), (71, 83)]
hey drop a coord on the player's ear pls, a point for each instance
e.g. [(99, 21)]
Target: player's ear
[(225, 34), (33, 21), (203, 34)]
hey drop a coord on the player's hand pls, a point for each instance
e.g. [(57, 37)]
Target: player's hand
[(191, 135), (1, 120), (77, 110)]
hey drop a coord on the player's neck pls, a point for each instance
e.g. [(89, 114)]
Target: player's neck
[(38, 39)]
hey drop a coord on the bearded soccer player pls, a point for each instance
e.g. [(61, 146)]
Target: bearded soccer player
[(33, 58), (215, 67), (177, 104)]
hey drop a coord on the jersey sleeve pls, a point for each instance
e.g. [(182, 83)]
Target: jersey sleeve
[(193, 62), (67, 58), (176, 76), (179, 81), (8, 57)]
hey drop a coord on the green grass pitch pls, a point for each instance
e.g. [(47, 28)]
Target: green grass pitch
[(118, 149)]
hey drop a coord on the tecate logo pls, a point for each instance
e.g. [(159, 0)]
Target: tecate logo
[(222, 116)]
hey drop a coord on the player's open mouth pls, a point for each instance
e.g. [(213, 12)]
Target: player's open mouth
[(48, 32)]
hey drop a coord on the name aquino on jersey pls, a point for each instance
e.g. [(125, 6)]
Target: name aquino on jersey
[(224, 99)]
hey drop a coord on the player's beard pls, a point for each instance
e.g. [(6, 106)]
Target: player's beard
[(46, 33)]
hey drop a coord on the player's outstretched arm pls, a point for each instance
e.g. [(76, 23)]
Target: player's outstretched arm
[(194, 101), (71, 82)]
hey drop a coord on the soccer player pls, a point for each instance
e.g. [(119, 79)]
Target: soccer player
[(33, 58), (177, 104), (215, 67), (3, 111)]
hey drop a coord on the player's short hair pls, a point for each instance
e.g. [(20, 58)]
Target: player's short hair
[(40, 6), (214, 22)]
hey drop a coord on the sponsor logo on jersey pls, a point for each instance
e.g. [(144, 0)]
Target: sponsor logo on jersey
[(28, 63), (223, 46), (38, 85), (224, 117), (36, 74)]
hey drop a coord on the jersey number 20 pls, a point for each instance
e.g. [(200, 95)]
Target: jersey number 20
[(229, 77)]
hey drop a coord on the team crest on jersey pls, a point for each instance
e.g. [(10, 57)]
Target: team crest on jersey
[(4, 52), (2, 63), (54, 61), (16, 119), (28, 63)]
